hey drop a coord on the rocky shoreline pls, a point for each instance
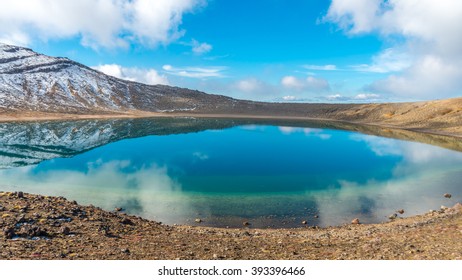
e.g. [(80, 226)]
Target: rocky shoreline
[(41, 227)]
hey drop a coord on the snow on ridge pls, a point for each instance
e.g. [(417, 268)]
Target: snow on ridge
[(36, 82)]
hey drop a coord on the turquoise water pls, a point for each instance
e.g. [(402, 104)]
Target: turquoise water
[(267, 175)]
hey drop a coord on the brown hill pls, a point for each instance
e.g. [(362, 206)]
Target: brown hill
[(34, 86)]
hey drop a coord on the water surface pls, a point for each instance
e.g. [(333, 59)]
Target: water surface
[(228, 172)]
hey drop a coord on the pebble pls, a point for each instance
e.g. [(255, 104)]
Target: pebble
[(25, 245), (127, 221), (21, 219), (246, 223), (392, 216), (9, 232), (32, 231), (355, 221), (304, 222), (198, 220), (65, 230), (20, 194), (400, 211), (118, 209), (447, 195), (316, 216)]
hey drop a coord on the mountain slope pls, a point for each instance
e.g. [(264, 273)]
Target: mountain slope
[(33, 85), (35, 82)]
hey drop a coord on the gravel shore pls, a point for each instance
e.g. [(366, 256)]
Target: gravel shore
[(39, 227)]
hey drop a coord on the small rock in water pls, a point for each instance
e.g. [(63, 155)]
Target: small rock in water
[(246, 223), (118, 209), (400, 211), (447, 195), (316, 216), (355, 221), (198, 220), (392, 216), (304, 222)]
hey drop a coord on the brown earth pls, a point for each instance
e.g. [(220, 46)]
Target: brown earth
[(442, 117), (38, 227), (66, 230)]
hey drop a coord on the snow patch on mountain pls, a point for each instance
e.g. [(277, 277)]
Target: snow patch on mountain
[(34, 82)]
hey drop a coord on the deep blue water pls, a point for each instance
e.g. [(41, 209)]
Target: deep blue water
[(270, 176)]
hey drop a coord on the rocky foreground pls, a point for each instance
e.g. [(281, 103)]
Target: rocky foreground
[(39, 227)]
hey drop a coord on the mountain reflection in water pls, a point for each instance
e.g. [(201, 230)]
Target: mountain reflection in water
[(271, 173)]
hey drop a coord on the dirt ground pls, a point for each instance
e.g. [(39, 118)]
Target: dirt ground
[(39, 227), (442, 117)]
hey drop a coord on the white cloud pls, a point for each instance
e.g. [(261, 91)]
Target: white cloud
[(289, 98), (390, 60), (328, 67), (99, 23), (292, 82), (416, 153), (366, 96), (200, 156), (200, 48), (249, 85), (430, 77), (319, 133), (379, 145), (336, 97), (254, 88), (309, 84), (360, 97), (195, 72), (427, 31), (355, 16), (114, 70), (313, 83), (146, 76)]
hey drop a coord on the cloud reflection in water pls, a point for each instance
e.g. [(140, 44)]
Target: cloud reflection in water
[(276, 177)]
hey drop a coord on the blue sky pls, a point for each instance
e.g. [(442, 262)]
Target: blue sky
[(269, 50)]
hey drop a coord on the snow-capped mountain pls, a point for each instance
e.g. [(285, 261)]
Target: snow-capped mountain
[(36, 82)]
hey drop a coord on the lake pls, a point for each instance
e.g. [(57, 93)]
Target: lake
[(226, 172)]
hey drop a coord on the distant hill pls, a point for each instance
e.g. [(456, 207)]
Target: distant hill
[(33, 84), (36, 82)]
